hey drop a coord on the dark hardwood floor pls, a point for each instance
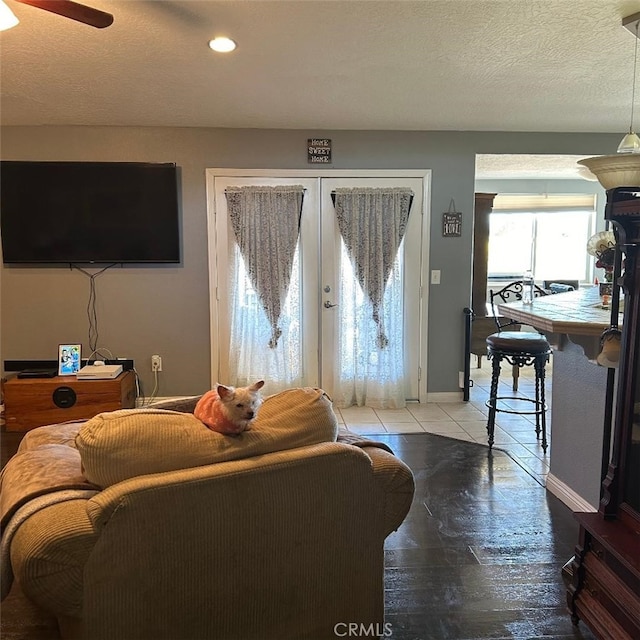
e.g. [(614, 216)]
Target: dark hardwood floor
[(481, 552), (479, 555)]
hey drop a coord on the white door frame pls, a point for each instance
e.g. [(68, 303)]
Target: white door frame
[(425, 174)]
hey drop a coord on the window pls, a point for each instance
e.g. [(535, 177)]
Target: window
[(548, 237)]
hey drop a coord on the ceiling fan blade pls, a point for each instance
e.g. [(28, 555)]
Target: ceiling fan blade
[(73, 10)]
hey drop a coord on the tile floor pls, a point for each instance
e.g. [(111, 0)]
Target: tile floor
[(467, 420)]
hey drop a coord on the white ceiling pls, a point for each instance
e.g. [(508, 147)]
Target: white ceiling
[(496, 65), (526, 166)]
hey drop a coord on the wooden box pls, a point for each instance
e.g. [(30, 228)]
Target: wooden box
[(33, 402)]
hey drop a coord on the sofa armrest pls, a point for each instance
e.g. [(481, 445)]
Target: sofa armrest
[(396, 483), (49, 552)]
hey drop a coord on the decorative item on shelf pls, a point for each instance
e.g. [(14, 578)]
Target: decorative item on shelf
[(609, 355), (605, 289), (602, 246)]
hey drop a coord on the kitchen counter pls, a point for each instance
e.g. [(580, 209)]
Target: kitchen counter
[(573, 322), (577, 312)]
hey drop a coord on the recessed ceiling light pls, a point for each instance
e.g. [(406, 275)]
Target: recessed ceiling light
[(222, 45)]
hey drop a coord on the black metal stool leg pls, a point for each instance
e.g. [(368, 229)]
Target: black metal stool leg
[(493, 397), (536, 367), (541, 417)]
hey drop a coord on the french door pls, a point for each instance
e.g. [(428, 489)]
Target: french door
[(324, 334)]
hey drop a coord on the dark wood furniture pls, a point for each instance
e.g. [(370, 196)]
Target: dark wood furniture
[(483, 204), (603, 578), (34, 402), (482, 323)]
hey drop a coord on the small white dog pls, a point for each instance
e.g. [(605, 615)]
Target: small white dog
[(229, 410)]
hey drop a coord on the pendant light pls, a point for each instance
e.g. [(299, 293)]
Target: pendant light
[(621, 169), (631, 143)]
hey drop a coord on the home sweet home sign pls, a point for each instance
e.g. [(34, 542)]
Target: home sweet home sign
[(319, 151)]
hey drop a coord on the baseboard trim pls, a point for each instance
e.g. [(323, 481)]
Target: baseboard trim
[(445, 396), (566, 494)]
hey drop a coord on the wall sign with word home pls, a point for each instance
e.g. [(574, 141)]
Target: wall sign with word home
[(319, 151), (452, 222)]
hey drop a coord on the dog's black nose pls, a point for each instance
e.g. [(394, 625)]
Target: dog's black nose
[(250, 414)]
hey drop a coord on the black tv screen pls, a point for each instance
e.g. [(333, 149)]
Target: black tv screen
[(89, 212)]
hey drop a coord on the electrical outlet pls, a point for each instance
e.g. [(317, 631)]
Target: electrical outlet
[(461, 379), (156, 363), (435, 276)]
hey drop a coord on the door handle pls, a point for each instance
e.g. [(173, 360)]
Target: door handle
[(328, 305)]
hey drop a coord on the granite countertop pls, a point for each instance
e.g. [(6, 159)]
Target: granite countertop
[(577, 312)]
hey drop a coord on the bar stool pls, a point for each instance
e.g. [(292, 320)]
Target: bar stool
[(519, 349)]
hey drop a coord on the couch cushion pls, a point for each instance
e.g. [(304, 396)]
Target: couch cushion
[(123, 444)]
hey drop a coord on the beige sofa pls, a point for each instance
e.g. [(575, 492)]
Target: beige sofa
[(286, 543)]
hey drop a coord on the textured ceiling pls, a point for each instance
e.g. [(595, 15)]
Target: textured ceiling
[(501, 65), (524, 166)]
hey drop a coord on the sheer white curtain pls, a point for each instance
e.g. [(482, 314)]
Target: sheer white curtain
[(265, 287), (370, 368)]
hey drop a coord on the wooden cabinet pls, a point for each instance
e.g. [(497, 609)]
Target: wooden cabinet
[(605, 592), (604, 576), (482, 325), (483, 205), (31, 403)]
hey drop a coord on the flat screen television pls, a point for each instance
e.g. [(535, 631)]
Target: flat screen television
[(89, 212)]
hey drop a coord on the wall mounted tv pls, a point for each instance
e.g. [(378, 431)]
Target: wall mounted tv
[(89, 212)]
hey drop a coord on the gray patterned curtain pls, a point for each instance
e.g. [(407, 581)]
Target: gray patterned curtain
[(372, 223), (266, 224)]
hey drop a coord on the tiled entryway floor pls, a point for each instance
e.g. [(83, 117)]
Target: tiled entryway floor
[(514, 434)]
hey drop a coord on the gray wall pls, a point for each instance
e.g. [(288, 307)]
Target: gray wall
[(165, 310), (577, 418)]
